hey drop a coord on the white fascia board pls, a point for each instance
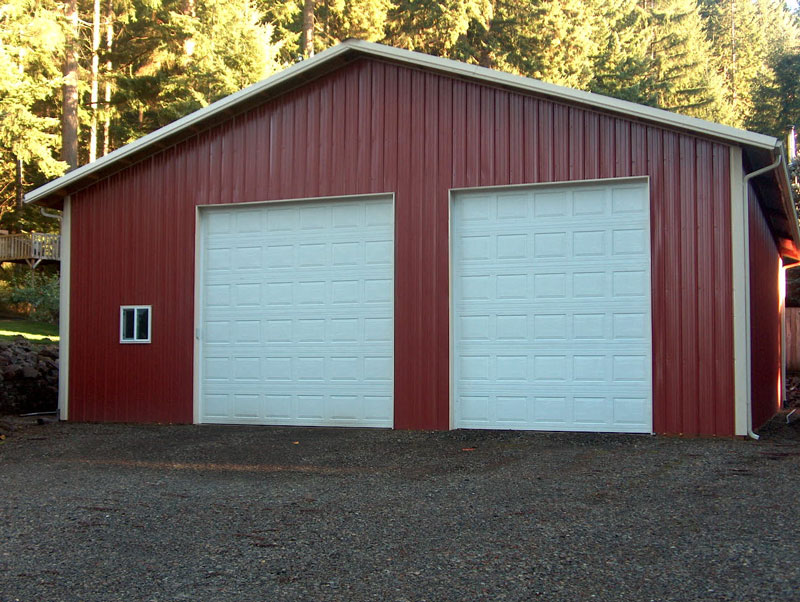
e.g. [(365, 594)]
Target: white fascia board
[(418, 60)]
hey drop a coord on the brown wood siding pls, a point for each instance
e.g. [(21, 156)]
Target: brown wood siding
[(374, 127), (793, 339), (765, 318)]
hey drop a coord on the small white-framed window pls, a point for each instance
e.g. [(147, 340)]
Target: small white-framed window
[(135, 323)]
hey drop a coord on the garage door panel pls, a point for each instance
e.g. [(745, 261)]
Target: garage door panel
[(554, 365), (297, 306), (566, 411), (551, 308)]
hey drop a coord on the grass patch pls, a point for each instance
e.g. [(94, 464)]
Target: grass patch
[(34, 331)]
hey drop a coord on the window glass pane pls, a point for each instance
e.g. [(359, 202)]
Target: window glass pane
[(142, 324), (127, 324)]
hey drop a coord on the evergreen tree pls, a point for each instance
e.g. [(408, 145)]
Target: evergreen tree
[(30, 82), (621, 63), (323, 23), (773, 100), (434, 27), (338, 20), (549, 40), (776, 101), (681, 74), (738, 52), (173, 58)]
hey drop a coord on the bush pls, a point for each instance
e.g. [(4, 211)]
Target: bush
[(38, 291)]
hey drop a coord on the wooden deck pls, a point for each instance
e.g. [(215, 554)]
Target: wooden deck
[(31, 248)]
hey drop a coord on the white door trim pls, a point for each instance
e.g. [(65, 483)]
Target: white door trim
[(197, 334), (454, 192)]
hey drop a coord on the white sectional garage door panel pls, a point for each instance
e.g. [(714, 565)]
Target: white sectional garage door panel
[(551, 308), (297, 313)]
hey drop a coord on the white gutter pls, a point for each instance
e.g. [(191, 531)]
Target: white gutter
[(746, 217), (418, 60)]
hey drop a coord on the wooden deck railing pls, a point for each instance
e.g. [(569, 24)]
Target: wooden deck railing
[(30, 247)]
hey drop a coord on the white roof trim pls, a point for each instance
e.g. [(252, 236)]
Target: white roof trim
[(454, 68), (590, 99)]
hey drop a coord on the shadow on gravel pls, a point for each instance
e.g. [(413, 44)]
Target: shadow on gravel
[(783, 428)]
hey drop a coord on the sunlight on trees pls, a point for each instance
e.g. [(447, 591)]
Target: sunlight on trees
[(144, 63)]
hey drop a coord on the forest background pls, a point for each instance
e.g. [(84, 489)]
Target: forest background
[(79, 78)]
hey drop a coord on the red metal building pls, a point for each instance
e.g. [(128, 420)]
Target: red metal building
[(376, 237)]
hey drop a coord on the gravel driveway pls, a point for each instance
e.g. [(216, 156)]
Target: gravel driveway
[(118, 512)]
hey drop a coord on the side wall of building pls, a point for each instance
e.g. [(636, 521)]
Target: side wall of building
[(765, 318), (374, 127)]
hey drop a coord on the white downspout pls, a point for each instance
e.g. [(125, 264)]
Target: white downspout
[(746, 216)]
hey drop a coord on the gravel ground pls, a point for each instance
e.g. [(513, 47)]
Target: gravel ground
[(119, 512)]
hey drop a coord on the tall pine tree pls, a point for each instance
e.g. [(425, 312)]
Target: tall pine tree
[(30, 85)]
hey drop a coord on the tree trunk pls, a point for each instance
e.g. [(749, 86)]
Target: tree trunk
[(94, 77), (69, 117), (307, 36), (18, 183), (109, 67)]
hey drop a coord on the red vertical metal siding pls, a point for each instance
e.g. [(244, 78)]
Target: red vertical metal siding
[(373, 127), (765, 307)]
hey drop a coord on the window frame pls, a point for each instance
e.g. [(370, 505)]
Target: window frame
[(135, 308)]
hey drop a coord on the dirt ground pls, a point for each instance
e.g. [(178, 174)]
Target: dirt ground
[(120, 512)]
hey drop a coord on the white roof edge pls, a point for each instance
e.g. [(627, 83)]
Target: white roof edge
[(624, 107), (214, 108), (456, 68)]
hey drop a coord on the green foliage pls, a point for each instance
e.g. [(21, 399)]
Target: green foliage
[(776, 101), (171, 61), (733, 61), (28, 219), (29, 80), (749, 41), (682, 78), (341, 19), (550, 40), (38, 291), (621, 63), (434, 27)]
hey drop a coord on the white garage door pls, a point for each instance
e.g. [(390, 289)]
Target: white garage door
[(551, 308), (296, 314)]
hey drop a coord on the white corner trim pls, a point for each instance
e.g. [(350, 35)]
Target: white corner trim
[(782, 298), (451, 384), (740, 256), (63, 311), (197, 333)]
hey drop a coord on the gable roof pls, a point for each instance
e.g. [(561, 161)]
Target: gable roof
[(759, 149)]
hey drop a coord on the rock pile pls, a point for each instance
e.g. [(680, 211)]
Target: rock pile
[(28, 377)]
